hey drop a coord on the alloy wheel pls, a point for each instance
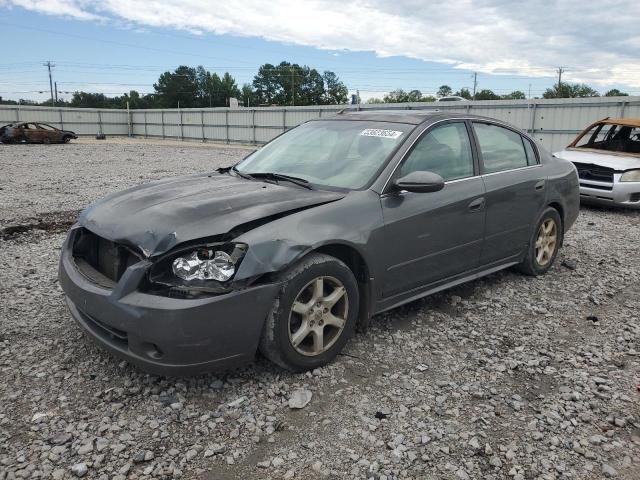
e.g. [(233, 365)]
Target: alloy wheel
[(318, 316), (546, 242)]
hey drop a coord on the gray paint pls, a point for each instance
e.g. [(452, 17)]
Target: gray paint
[(412, 244)]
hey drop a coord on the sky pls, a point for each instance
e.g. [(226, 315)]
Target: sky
[(374, 46)]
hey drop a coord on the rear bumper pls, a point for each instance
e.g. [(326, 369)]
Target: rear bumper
[(167, 336), (623, 194)]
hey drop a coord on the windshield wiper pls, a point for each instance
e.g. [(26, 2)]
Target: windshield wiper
[(242, 174), (301, 182)]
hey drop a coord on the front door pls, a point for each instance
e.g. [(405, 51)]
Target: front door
[(434, 236)]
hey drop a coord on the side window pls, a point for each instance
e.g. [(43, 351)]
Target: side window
[(445, 150), (531, 152), (501, 148)]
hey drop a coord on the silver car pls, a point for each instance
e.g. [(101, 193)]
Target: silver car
[(607, 157)]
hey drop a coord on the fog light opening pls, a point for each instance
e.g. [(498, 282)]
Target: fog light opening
[(152, 350)]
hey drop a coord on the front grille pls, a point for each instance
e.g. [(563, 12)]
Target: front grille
[(597, 187), (587, 171), (108, 258)]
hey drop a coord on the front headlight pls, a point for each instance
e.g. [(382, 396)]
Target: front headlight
[(630, 176), (204, 264), (206, 268)]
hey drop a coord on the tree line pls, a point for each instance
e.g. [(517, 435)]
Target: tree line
[(283, 84), (195, 87), (564, 90)]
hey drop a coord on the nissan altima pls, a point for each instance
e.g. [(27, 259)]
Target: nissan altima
[(293, 248)]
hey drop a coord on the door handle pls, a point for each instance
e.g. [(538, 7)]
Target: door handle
[(476, 205), (540, 185)]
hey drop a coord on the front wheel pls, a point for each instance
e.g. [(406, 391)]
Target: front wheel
[(313, 315), (544, 244)]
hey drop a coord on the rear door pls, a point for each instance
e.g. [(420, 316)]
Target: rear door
[(31, 133), (515, 190), (433, 236)]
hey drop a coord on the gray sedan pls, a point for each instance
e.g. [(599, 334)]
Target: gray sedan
[(292, 249)]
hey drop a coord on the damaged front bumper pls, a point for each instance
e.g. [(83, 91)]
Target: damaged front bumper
[(162, 335), (616, 193)]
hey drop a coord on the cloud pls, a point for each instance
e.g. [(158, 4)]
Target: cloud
[(595, 42)]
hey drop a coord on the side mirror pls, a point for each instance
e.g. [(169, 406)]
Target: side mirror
[(420, 182)]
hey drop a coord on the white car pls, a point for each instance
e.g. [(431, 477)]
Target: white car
[(607, 157), (451, 98)]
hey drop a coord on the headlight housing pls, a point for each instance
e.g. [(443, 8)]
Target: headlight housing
[(206, 267), (204, 264), (630, 176)]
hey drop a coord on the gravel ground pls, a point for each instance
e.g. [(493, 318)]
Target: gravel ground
[(505, 377)]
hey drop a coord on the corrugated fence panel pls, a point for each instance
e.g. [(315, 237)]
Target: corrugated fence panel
[(553, 121), (296, 117)]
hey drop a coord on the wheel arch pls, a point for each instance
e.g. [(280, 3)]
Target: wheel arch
[(560, 209), (358, 265)]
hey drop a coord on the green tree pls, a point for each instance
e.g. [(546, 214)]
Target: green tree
[(487, 94), (292, 84), (396, 96), (178, 88), (464, 93), (515, 95), (614, 92), (336, 92), (247, 95), (374, 100), (91, 100), (444, 91), (570, 90), (400, 96)]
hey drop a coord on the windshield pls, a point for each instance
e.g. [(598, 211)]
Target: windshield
[(333, 153), (614, 138)]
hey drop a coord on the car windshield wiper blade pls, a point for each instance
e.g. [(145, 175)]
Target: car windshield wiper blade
[(242, 174), (281, 176)]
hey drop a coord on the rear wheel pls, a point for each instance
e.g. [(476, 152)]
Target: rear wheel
[(544, 244), (313, 315), (46, 140)]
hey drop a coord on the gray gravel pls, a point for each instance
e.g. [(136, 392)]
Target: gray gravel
[(505, 377)]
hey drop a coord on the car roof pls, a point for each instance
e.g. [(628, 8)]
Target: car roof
[(413, 117), (627, 122)]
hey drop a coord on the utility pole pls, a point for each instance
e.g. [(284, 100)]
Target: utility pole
[(475, 84), (48, 65), (293, 90), (55, 84), (529, 92), (560, 72)]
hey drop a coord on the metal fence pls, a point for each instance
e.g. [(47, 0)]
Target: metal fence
[(554, 122)]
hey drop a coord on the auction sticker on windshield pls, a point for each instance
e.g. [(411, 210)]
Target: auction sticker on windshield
[(376, 132)]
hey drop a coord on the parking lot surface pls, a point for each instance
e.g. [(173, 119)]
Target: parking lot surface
[(505, 377)]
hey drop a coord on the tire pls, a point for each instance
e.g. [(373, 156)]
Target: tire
[(46, 140), (321, 314), (66, 139), (542, 249)]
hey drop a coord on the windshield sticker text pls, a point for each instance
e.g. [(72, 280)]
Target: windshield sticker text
[(376, 132)]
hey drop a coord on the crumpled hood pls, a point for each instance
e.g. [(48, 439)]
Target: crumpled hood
[(156, 216), (604, 159)]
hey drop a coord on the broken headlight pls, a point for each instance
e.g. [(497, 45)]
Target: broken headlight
[(201, 267), (630, 176), (204, 264)]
